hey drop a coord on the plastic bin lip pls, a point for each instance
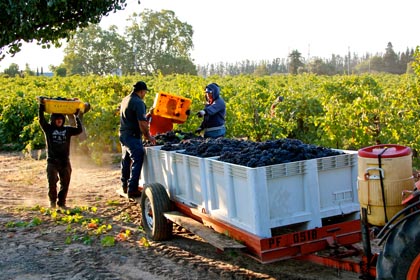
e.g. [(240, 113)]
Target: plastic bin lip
[(392, 151)]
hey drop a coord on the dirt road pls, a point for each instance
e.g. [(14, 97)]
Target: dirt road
[(100, 237)]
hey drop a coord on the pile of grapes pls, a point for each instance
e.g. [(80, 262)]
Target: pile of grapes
[(171, 137), (251, 154)]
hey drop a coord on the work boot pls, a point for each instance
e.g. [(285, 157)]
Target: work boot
[(53, 204), (134, 194), (62, 204), (124, 187)]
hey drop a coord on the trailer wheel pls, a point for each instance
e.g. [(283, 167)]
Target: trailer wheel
[(400, 258), (154, 202)]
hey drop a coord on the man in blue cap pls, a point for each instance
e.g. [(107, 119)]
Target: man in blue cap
[(133, 124), (213, 114)]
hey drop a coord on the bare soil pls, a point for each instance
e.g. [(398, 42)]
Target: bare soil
[(37, 242)]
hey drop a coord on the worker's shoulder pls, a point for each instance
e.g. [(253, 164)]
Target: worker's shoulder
[(135, 101)]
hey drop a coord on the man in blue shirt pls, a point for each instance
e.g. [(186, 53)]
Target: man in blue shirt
[(133, 124)]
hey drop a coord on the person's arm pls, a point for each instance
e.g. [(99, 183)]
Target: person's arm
[(79, 125), (76, 130), (150, 114), (273, 110), (218, 105), (274, 105), (41, 117), (144, 127), (72, 119)]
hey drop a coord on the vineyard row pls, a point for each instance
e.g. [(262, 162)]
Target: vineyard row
[(343, 112)]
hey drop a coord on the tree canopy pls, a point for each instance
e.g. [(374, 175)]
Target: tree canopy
[(161, 42), (48, 21), (295, 61), (154, 42), (96, 51)]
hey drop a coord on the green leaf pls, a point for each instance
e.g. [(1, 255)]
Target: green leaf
[(108, 241)]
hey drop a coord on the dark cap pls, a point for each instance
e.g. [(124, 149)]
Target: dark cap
[(140, 86), (56, 116)]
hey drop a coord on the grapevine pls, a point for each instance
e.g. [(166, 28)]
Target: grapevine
[(340, 112)]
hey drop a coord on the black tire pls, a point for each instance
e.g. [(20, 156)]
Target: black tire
[(154, 202), (401, 252)]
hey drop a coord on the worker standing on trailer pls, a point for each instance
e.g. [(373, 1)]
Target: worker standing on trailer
[(213, 114), (133, 124), (57, 137)]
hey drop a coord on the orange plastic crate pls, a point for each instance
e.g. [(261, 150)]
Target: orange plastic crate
[(171, 106)]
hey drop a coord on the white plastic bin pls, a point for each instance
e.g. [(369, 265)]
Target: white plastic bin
[(156, 167), (189, 180), (260, 200)]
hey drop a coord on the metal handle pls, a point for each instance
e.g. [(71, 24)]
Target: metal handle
[(374, 177)]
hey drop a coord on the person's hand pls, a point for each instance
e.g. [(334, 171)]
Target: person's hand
[(198, 130), (149, 117), (149, 114), (41, 104), (152, 139), (201, 114), (87, 107)]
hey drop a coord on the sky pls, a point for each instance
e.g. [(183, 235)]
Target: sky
[(237, 30)]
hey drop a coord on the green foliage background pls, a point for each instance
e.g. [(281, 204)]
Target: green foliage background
[(344, 112)]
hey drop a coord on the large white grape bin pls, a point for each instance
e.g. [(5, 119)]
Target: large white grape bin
[(261, 200)]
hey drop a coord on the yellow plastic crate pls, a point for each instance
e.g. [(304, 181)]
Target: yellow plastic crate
[(63, 106), (171, 106)]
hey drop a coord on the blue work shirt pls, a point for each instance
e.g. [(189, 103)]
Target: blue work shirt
[(132, 111)]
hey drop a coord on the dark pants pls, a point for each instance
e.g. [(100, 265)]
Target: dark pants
[(55, 172), (131, 161)]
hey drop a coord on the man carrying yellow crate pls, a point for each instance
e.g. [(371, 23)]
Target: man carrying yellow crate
[(57, 138)]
